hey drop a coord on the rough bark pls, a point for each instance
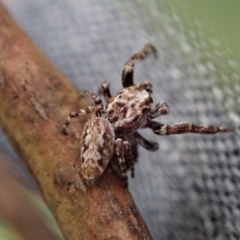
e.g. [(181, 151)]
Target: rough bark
[(35, 99)]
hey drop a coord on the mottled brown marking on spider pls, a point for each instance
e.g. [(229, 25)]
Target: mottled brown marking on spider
[(100, 139), (124, 113)]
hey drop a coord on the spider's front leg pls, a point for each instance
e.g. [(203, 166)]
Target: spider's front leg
[(159, 109), (127, 74), (162, 129)]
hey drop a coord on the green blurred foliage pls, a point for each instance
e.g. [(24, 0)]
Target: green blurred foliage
[(220, 19), (8, 233)]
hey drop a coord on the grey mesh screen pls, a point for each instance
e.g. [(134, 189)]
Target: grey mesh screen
[(189, 188)]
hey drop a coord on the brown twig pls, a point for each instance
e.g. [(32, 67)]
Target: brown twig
[(35, 99)]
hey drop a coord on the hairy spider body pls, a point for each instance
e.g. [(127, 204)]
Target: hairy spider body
[(128, 109), (97, 147), (111, 126)]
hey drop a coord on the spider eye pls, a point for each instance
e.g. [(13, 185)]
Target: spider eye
[(149, 90)]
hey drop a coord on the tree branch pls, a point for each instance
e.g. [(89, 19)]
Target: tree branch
[(35, 99)]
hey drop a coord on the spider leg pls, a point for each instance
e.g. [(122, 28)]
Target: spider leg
[(134, 145), (162, 129), (121, 160), (97, 100), (159, 109), (127, 74), (71, 115), (104, 90), (151, 146), (129, 156)]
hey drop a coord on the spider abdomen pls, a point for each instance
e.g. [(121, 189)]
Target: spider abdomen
[(97, 147)]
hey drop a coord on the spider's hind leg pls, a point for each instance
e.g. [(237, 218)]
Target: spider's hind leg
[(121, 160), (151, 146), (96, 109), (98, 102), (129, 156), (127, 73), (82, 111)]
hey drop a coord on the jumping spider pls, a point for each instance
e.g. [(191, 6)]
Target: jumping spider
[(125, 112)]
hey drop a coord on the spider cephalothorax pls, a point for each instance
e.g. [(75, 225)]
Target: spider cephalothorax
[(125, 112), (128, 109)]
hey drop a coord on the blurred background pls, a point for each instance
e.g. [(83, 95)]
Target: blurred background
[(190, 187)]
